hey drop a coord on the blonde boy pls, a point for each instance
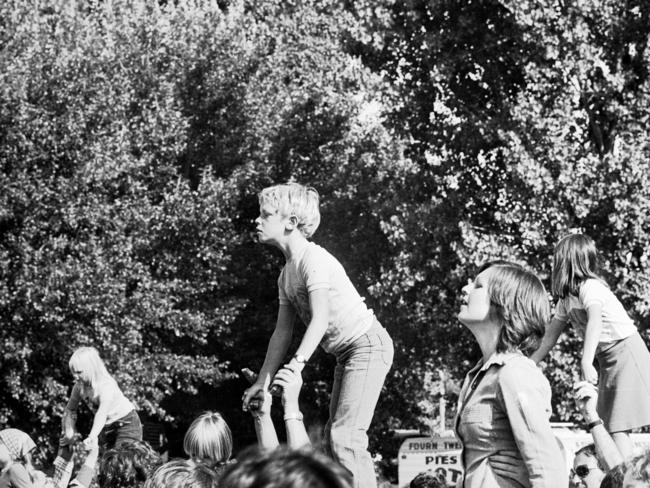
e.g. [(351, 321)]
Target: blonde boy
[(314, 286)]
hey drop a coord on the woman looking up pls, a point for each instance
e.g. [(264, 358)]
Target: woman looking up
[(505, 402)]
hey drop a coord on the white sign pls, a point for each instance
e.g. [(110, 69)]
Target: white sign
[(437, 454), (442, 454)]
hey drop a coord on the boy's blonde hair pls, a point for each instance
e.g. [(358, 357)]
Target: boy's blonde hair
[(208, 438), (294, 200), (87, 360)]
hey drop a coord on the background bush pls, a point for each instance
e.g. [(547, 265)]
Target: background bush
[(134, 137)]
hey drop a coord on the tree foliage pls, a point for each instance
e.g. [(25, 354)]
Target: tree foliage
[(135, 136)]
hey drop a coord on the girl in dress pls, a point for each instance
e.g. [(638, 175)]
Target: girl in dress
[(610, 337)]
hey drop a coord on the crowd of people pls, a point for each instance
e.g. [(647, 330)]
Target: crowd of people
[(503, 410)]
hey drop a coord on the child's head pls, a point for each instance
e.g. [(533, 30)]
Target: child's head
[(575, 259), (131, 465), (208, 440), (294, 200), (86, 365), (286, 468), (181, 473)]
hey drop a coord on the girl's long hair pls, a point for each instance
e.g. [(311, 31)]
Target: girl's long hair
[(87, 360), (575, 260)]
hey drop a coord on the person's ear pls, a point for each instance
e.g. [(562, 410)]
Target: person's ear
[(292, 223)]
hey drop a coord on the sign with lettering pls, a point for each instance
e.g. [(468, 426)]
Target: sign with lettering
[(442, 454), (437, 454)]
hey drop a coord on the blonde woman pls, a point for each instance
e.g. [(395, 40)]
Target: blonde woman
[(115, 416)]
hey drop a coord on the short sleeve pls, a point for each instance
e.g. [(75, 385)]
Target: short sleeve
[(560, 311), (315, 269), (593, 292)]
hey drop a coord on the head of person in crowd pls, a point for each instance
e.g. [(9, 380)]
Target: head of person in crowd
[(183, 473), (587, 470), (614, 477), (19, 444), (512, 300), (637, 471), (209, 440), (285, 468), (428, 479), (128, 466), (86, 366), (291, 201)]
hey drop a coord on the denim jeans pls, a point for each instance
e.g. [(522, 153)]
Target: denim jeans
[(125, 429), (360, 372)]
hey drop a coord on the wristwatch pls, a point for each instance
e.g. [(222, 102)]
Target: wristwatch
[(593, 424)]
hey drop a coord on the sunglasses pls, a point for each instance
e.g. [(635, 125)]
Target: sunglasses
[(582, 471)]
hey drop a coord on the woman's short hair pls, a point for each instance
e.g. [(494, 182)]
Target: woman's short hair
[(519, 303), (208, 439), (285, 468), (183, 473), (294, 199), (128, 466)]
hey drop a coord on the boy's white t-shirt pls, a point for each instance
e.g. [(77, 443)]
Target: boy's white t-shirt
[(617, 324), (314, 268)]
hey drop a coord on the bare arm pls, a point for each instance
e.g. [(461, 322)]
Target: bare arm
[(551, 335), (69, 420), (319, 304), (275, 352), (586, 398), (267, 437), (99, 421), (86, 473), (592, 336), (290, 380)]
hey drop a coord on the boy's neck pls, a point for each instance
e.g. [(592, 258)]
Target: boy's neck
[(293, 245)]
